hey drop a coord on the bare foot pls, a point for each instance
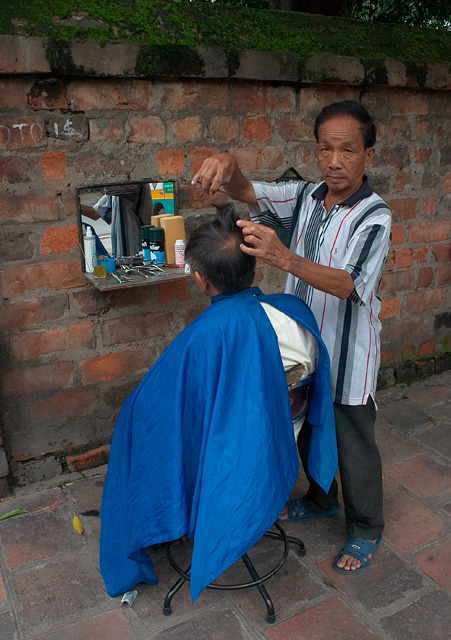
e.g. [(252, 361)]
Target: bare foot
[(284, 513)]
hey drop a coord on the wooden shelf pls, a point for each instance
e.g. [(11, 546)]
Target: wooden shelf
[(110, 284)]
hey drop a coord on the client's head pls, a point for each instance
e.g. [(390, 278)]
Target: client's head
[(213, 253)]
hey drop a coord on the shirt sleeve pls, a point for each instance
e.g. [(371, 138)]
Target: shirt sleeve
[(367, 253), (275, 203), (104, 208)]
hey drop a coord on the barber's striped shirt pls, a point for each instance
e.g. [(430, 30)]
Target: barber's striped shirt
[(355, 236)]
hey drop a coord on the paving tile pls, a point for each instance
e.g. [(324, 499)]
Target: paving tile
[(387, 580), (431, 395), (393, 447), (2, 590), (437, 564), (292, 584), (209, 625), (421, 474), (7, 627), (404, 415), (53, 592), (437, 438), (87, 493), (34, 502), (33, 537), (410, 524), (328, 621), (428, 618), (320, 535), (107, 626), (149, 601)]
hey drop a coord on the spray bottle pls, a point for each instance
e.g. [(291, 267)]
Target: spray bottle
[(89, 250)]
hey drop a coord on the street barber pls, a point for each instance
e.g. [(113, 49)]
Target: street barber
[(339, 245)]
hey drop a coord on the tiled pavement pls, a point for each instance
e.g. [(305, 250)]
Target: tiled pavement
[(51, 588)]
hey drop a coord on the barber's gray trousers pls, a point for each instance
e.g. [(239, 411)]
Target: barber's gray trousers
[(360, 469)]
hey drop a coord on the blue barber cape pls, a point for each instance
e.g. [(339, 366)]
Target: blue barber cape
[(205, 446)]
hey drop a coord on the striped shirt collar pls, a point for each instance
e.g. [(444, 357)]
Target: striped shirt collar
[(364, 191)]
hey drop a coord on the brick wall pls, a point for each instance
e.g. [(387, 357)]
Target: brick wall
[(71, 354)]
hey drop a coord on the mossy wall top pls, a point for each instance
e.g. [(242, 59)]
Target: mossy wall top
[(166, 22)]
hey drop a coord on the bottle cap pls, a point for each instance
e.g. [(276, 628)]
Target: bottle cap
[(179, 242), (89, 232)]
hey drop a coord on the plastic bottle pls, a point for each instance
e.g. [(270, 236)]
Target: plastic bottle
[(90, 251), (180, 253)]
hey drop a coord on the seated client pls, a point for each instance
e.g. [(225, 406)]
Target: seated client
[(204, 446)]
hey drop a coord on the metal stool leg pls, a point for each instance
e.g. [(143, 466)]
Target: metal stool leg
[(276, 536), (271, 617), (172, 591)]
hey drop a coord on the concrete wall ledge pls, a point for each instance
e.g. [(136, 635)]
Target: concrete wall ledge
[(36, 55)]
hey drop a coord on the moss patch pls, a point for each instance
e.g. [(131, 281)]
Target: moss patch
[(169, 60), (165, 22)]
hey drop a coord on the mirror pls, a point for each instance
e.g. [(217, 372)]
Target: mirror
[(116, 213)]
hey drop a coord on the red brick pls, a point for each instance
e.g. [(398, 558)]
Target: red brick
[(396, 156), (397, 130), (105, 129), (403, 102), (169, 291), (304, 156), (404, 209), (114, 365), (44, 377), (61, 274), (315, 97), (98, 94), (223, 128), (200, 154), (106, 626), (292, 129), (421, 127), (447, 183), (390, 307), (402, 258), (443, 275), (170, 161), (429, 206), (59, 240), (425, 277), (269, 158), (398, 234), (131, 328), (191, 313), (193, 196), (257, 128), (425, 300), (442, 252), (15, 170), (422, 155), (195, 96), (13, 92), (427, 348), (420, 475), (54, 165), (89, 459), (49, 94), (21, 315), (329, 620), (405, 330), (402, 180), (32, 344), (28, 208), (147, 129), (436, 563), (65, 406), (409, 524), (387, 357), (429, 231), (420, 254), (21, 132), (187, 129), (262, 98), (397, 281)]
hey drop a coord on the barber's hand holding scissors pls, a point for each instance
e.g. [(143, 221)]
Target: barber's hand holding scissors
[(266, 245), (215, 171)]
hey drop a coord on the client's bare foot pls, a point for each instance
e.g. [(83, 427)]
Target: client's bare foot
[(284, 513)]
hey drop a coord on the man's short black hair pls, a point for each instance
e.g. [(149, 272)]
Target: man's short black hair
[(214, 250), (352, 109)]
